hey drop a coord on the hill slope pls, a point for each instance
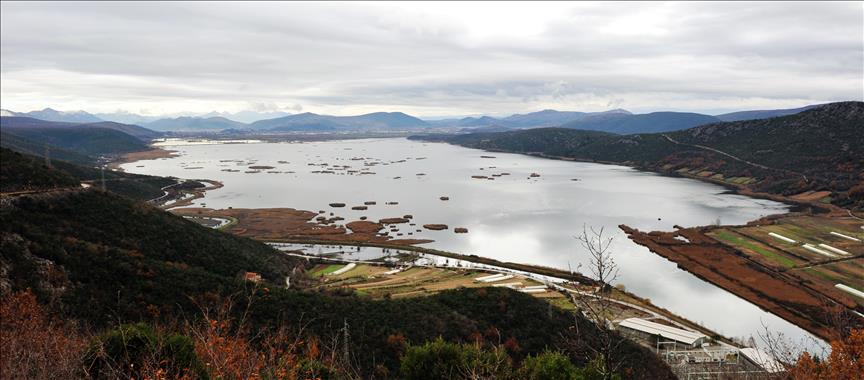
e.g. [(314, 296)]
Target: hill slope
[(23, 173), (104, 138), (815, 150), (626, 124), (117, 257), (762, 114), (33, 148)]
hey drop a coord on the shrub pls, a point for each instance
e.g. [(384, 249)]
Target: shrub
[(137, 351), (442, 360), (549, 366)]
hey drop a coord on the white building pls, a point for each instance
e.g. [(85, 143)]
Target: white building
[(658, 333)]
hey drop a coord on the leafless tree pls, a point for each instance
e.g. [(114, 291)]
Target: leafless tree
[(594, 303)]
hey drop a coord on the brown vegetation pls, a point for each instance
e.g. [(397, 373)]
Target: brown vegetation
[(150, 154), (780, 293), (282, 224)]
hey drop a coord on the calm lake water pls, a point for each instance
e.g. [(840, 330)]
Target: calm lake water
[(514, 217)]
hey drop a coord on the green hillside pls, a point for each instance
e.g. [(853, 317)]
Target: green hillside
[(89, 141), (118, 257), (23, 173), (33, 148)]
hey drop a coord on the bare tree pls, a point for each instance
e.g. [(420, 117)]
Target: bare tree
[(594, 303)]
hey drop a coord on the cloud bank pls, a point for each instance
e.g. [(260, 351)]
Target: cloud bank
[(428, 59)]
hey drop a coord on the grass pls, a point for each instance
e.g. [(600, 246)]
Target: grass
[(738, 241), (324, 270), (562, 303)]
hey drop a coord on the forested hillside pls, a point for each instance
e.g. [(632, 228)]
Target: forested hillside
[(23, 172)]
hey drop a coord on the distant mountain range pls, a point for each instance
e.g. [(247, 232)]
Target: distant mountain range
[(614, 121), (49, 114), (187, 123), (247, 116), (311, 121), (545, 118)]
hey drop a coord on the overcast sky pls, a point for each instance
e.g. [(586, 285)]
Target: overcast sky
[(429, 59)]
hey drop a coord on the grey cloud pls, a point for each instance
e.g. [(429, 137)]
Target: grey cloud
[(344, 57)]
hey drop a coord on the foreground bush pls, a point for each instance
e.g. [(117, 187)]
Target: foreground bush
[(136, 351), (442, 360)]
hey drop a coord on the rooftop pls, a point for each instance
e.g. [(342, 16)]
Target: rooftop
[(669, 332)]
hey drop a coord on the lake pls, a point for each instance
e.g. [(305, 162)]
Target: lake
[(515, 217)]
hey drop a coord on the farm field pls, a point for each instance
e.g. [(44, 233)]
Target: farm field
[(378, 281), (808, 247)]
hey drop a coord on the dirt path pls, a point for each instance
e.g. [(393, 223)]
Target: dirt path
[(703, 147)]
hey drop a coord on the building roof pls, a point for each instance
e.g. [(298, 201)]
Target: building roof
[(762, 359), (669, 332)]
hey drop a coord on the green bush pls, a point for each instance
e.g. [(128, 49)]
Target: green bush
[(443, 360), (549, 366), (128, 349)]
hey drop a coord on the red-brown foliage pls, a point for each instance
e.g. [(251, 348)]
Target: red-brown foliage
[(846, 361), (34, 345)]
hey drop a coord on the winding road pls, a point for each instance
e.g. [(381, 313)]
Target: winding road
[(703, 147)]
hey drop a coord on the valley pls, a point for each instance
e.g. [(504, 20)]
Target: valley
[(398, 189)]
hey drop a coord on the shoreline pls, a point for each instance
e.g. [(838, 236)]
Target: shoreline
[(574, 277), (150, 154), (784, 295)]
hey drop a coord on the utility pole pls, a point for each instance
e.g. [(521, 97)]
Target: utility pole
[(345, 356), (47, 156), (103, 177)]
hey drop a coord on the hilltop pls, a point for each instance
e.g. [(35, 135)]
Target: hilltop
[(625, 124)]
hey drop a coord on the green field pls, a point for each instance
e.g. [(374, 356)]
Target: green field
[(738, 241), (323, 270)]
